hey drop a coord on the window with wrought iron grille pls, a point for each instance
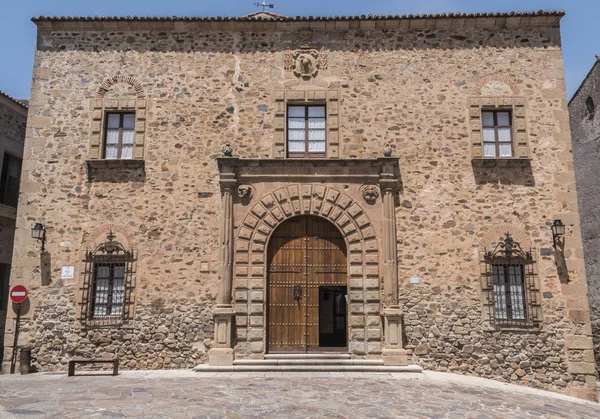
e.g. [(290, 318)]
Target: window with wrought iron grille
[(108, 283), (510, 285)]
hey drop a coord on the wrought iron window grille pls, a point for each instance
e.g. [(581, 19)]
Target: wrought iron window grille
[(108, 284), (510, 286)]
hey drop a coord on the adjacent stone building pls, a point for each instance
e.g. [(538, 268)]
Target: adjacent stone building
[(13, 116), (585, 133), (214, 189)]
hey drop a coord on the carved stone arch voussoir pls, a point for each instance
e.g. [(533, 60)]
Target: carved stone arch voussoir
[(500, 79), (302, 199), (497, 233), (111, 81), (122, 235)]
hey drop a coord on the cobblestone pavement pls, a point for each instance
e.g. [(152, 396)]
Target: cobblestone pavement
[(182, 394)]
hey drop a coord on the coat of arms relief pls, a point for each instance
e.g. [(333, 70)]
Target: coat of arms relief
[(305, 62)]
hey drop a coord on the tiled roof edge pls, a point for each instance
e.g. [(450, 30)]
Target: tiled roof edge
[(280, 18), (12, 99)]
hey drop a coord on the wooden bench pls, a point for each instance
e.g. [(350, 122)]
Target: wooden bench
[(115, 363)]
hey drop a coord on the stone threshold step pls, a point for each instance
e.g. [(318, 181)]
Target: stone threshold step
[(308, 361), (308, 356), (307, 368)]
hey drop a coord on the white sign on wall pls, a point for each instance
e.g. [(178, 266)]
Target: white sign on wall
[(67, 272), (415, 279)]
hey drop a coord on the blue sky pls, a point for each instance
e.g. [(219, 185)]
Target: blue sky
[(17, 32)]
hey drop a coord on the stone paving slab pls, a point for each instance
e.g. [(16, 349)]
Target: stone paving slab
[(187, 394)]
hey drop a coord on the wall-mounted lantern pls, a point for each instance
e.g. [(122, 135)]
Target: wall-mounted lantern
[(558, 230), (38, 232)]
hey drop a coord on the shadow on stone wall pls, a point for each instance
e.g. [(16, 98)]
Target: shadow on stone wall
[(505, 175), (561, 263), (116, 171)]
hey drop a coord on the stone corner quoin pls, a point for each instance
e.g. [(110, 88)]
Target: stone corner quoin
[(172, 243)]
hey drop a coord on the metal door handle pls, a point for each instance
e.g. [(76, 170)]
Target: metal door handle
[(297, 292)]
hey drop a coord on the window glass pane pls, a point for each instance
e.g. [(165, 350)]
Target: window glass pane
[(127, 151), (316, 135), (102, 272), (297, 111), (505, 150), (487, 119), (112, 136), (499, 292), (500, 302), (128, 121), (489, 150), (315, 123), (118, 271), (503, 119), (116, 308), (14, 167), (504, 135), (113, 120), (296, 123), (127, 137), (111, 152), (316, 146), (516, 292), (296, 135), (489, 134), (316, 111), (296, 146), (101, 296)]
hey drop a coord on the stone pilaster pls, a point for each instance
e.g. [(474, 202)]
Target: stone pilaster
[(390, 262), (222, 352), (393, 353)]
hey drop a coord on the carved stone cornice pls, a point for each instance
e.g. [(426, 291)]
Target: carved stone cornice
[(383, 170)]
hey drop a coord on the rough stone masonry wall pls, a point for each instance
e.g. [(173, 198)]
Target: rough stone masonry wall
[(12, 123), (406, 88), (585, 133)]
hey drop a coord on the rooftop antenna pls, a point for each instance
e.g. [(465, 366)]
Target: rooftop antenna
[(264, 5)]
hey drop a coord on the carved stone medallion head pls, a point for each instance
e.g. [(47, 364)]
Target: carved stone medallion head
[(370, 193), (227, 149), (244, 191)]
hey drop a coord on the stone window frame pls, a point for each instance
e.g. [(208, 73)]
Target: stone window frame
[(520, 136), (101, 108), (327, 97), (533, 305)]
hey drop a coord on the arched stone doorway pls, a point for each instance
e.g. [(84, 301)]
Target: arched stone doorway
[(307, 287), (258, 195)]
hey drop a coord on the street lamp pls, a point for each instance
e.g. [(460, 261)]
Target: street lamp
[(558, 230), (38, 232)]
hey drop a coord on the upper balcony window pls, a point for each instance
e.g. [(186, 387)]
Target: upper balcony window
[(118, 140), (497, 133), (306, 128), (9, 184)]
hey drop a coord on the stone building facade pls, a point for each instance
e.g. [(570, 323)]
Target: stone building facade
[(585, 133), (199, 169), (13, 117)]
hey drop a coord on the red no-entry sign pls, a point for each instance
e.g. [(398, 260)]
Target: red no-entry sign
[(18, 294)]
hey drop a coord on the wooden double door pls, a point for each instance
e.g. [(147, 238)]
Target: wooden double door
[(307, 286)]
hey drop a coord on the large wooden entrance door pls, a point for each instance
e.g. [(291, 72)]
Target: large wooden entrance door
[(307, 257)]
